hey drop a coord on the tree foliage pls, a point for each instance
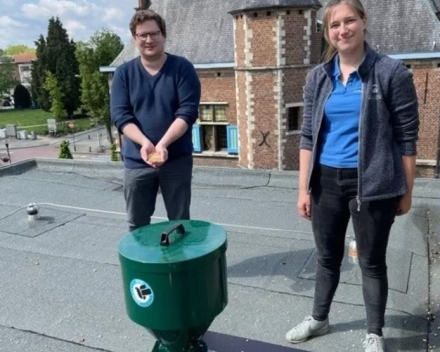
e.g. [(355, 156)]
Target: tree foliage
[(100, 50), (7, 75), (19, 49), (56, 96), (61, 61), (40, 95), (64, 152), (56, 54)]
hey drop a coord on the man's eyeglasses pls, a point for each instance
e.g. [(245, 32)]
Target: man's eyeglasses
[(144, 36)]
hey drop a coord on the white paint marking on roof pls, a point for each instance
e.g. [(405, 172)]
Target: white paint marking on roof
[(163, 218)]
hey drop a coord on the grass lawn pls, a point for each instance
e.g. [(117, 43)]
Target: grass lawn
[(24, 117), (38, 118)]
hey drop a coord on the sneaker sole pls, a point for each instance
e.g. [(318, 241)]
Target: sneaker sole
[(316, 334)]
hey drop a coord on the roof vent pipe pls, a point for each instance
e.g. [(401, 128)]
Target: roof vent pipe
[(32, 211)]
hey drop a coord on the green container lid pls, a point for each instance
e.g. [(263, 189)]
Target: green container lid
[(190, 243)]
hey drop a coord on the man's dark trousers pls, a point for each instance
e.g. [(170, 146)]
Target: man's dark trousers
[(141, 187)]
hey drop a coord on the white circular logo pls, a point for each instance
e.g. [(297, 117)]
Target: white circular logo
[(375, 89), (142, 293)]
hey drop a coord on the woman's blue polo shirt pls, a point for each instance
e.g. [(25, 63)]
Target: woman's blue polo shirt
[(339, 138)]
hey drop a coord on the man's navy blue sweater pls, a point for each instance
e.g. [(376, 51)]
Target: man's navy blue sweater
[(153, 103)]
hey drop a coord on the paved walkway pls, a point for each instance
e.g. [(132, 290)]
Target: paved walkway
[(87, 145), (92, 138)]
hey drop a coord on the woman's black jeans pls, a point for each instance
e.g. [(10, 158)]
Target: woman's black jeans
[(334, 193)]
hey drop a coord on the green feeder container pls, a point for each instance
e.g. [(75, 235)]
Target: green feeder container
[(174, 280)]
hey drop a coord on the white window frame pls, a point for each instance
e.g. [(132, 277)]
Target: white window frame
[(292, 105), (213, 124)]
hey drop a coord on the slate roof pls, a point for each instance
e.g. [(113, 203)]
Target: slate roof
[(397, 26), (204, 34)]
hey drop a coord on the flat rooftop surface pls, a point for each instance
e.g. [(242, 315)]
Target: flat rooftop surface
[(61, 287)]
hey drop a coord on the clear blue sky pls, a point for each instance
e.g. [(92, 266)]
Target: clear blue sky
[(22, 21)]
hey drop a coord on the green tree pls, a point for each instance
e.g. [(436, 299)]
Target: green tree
[(107, 46), (61, 61), (22, 97), (7, 74), (56, 54), (18, 49), (39, 94), (100, 50), (56, 96)]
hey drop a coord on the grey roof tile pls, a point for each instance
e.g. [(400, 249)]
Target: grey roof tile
[(201, 33), (204, 34), (397, 26)]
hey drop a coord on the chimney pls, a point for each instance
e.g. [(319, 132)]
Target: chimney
[(143, 5)]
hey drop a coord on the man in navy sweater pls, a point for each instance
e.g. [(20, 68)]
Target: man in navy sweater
[(154, 103)]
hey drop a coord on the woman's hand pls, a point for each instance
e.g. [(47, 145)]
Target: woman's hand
[(404, 204), (304, 205)]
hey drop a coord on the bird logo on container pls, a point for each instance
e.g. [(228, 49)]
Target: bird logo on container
[(142, 293)]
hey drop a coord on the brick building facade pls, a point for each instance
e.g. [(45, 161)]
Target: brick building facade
[(251, 106), (427, 81)]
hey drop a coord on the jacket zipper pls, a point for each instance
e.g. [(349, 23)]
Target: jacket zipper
[(359, 198)]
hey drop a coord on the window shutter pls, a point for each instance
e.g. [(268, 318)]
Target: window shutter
[(232, 134), (196, 138)]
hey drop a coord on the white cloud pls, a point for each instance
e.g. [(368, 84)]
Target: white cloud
[(73, 26), (93, 6), (33, 11), (6, 21), (81, 18), (7, 3), (48, 8), (62, 7), (121, 31), (112, 14), (9, 29)]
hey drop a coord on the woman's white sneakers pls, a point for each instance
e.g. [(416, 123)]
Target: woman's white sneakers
[(308, 328), (374, 343)]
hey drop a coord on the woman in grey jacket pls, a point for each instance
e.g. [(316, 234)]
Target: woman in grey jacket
[(357, 160)]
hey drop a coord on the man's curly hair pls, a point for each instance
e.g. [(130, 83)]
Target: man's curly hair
[(147, 15)]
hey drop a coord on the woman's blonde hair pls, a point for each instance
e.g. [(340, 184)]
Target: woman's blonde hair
[(357, 8)]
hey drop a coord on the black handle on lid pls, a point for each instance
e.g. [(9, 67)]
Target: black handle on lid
[(165, 238)]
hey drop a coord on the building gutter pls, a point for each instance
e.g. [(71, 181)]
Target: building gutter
[(416, 56), (214, 66), (222, 65), (261, 8), (107, 69)]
